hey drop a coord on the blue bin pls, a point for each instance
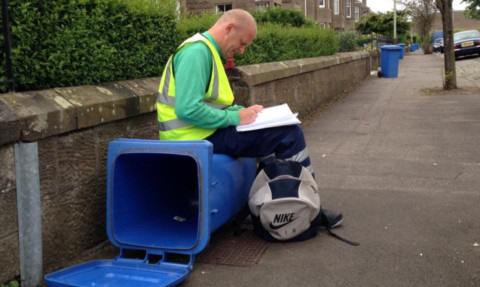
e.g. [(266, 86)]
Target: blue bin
[(164, 199), (402, 53), (389, 58)]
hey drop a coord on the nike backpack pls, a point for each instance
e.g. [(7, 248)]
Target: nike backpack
[(283, 201)]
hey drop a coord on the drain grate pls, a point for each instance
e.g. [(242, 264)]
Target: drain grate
[(244, 250)]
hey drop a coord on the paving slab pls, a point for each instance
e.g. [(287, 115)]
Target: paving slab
[(403, 166)]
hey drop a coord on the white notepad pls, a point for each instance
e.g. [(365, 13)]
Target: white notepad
[(275, 116)]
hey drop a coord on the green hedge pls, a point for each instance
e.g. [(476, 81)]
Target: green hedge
[(282, 35), (347, 41), (75, 42), (278, 43), (274, 42), (283, 17), (190, 24)]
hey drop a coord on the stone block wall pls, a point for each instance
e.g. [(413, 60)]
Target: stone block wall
[(74, 125)]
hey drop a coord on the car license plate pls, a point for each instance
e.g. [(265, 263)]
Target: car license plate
[(468, 44)]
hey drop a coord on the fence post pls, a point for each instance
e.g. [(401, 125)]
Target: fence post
[(371, 41), (29, 214)]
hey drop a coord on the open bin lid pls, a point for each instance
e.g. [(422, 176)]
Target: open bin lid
[(103, 273), (126, 272)]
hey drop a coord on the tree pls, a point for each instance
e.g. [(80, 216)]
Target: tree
[(445, 7), (382, 23), (423, 14), (473, 8)]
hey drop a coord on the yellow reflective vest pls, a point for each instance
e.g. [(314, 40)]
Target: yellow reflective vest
[(219, 95)]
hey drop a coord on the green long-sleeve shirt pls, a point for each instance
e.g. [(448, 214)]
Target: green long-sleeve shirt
[(192, 69)]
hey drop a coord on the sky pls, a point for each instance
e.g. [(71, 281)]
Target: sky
[(387, 5)]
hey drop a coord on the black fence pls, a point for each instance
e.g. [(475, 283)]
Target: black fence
[(383, 40), (373, 41)]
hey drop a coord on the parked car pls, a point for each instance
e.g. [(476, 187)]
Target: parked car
[(466, 43), (438, 45)]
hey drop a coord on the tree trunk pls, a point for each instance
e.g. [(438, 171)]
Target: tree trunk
[(445, 7)]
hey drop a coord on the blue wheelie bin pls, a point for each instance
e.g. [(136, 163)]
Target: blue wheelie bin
[(389, 57), (164, 199), (402, 52)]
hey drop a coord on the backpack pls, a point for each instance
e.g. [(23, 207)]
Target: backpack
[(283, 201)]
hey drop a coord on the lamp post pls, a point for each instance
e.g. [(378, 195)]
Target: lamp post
[(394, 21), (305, 8)]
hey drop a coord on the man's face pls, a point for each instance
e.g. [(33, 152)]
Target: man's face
[(238, 40)]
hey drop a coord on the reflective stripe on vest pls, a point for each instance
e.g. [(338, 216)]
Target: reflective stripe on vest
[(172, 128)]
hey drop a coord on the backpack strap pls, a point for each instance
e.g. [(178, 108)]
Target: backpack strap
[(342, 239), (327, 225)]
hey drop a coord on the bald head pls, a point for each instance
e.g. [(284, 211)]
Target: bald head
[(234, 31), (242, 17)]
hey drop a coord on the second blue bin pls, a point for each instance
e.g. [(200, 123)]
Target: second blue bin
[(389, 57), (402, 52)]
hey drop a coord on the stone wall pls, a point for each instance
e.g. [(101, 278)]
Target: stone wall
[(74, 125)]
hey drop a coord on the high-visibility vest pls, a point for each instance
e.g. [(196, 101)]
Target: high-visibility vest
[(219, 95)]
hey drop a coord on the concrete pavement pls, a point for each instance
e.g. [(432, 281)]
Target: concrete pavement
[(403, 165)]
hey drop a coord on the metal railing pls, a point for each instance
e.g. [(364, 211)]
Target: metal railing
[(383, 40), (375, 41)]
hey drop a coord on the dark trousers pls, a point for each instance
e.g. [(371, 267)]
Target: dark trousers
[(286, 142)]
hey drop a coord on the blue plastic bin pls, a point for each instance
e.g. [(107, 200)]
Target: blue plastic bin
[(164, 199), (402, 52), (389, 58)]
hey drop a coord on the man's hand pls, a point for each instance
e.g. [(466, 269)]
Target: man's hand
[(248, 115)]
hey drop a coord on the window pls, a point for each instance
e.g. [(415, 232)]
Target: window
[(261, 6), (223, 7), (357, 13), (336, 7), (358, 1), (321, 3), (349, 8), (323, 25)]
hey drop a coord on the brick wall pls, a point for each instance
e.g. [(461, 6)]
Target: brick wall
[(460, 22)]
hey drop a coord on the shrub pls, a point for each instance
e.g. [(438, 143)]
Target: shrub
[(347, 41), (77, 42), (283, 17), (364, 40), (13, 283), (402, 38), (190, 24), (277, 43), (274, 42)]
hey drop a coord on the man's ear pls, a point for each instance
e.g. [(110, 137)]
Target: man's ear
[(230, 27)]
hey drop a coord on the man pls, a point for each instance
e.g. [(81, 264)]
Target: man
[(195, 99)]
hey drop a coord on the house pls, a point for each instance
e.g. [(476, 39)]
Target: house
[(460, 22), (336, 14)]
